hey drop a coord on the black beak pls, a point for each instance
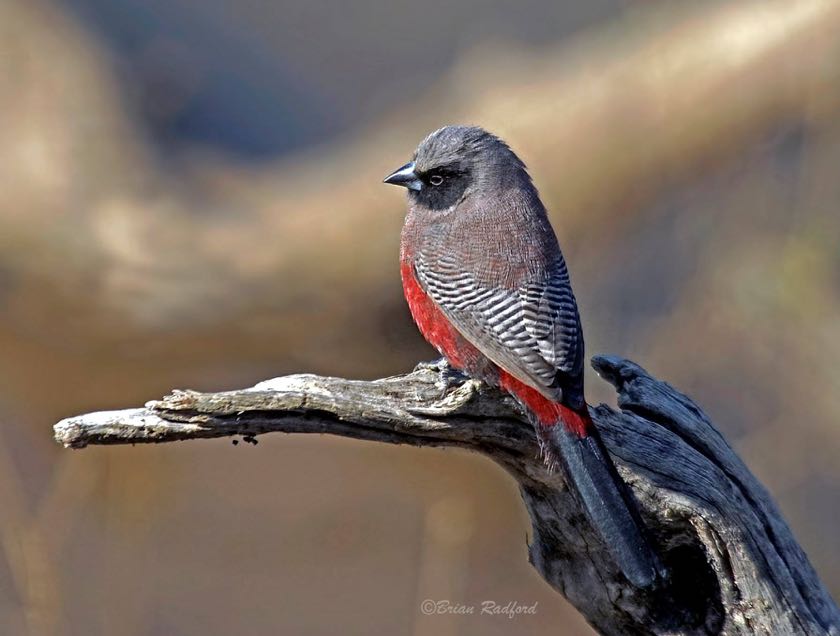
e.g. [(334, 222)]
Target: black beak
[(405, 177)]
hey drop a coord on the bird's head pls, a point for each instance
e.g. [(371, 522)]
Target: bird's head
[(456, 162)]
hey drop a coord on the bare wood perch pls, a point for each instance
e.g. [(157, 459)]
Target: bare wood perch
[(734, 565)]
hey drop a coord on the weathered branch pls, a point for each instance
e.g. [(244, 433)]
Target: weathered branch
[(734, 565)]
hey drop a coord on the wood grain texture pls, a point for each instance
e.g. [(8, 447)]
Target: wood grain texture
[(734, 566)]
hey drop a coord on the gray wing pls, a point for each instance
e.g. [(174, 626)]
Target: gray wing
[(533, 332)]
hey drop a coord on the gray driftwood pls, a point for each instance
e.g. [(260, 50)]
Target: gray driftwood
[(734, 565)]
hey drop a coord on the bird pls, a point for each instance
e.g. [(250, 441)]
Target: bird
[(488, 287)]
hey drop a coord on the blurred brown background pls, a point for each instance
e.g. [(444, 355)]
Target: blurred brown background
[(191, 198)]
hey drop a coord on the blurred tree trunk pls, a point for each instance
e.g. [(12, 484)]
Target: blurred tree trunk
[(91, 217)]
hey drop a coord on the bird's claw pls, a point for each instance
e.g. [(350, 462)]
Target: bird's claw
[(451, 401), (440, 365), (448, 376)]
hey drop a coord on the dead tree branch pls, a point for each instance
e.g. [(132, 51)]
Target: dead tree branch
[(734, 565)]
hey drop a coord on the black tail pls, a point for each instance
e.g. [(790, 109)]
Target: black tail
[(604, 495)]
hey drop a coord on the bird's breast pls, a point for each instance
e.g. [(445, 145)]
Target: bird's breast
[(503, 242)]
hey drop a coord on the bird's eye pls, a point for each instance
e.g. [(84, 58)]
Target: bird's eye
[(435, 179)]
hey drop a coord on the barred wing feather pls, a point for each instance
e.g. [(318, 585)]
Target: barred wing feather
[(533, 332)]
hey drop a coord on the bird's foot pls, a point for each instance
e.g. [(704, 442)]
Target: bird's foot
[(451, 402), (448, 376), (440, 365)]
